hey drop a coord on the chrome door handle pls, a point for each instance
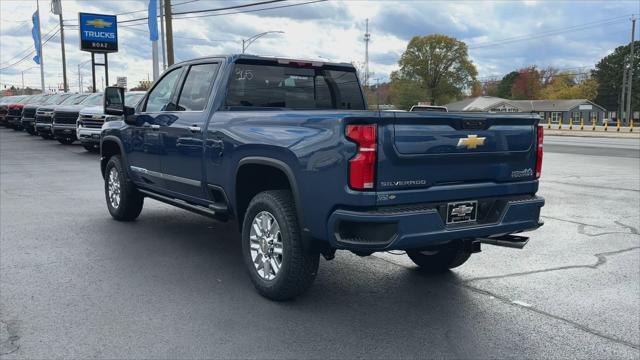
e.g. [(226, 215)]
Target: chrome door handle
[(152, 127), (194, 128)]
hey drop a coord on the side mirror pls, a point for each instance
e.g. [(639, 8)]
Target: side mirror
[(114, 101)]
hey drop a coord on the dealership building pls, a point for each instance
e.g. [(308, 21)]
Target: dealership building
[(557, 110)]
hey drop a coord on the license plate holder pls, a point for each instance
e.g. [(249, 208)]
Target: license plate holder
[(462, 212)]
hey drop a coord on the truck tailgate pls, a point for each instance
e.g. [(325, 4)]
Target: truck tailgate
[(430, 150)]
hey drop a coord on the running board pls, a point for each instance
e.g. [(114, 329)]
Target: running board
[(511, 241), (201, 210)]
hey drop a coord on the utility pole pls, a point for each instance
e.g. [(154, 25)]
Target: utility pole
[(56, 8), (40, 48), (623, 97), (79, 80), (164, 46), (167, 14), (367, 38), (630, 75)]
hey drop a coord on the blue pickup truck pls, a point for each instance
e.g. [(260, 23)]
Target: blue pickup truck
[(288, 150)]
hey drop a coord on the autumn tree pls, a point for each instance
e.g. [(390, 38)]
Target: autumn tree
[(490, 88), (436, 68), (527, 84), (506, 84), (608, 74), (476, 89)]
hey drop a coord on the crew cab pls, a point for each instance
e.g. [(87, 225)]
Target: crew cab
[(14, 113), (28, 122), (91, 118), (5, 101), (287, 149), (65, 116), (44, 114)]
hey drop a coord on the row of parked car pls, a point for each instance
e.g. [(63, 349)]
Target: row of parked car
[(65, 117)]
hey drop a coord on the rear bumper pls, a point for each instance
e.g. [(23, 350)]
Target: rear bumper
[(421, 226)]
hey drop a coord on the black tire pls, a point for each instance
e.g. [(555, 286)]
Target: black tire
[(30, 130), (130, 200), (66, 141), (91, 148), (438, 260), (298, 267)]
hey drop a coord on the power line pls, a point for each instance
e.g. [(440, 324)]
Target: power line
[(253, 10), (228, 7), (31, 53), (22, 52), (542, 34), (205, 10)]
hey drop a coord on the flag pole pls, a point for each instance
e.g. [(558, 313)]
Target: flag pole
[(153, 35), (40, 48)]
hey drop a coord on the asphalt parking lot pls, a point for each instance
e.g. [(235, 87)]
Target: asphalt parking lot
[(76, 284)]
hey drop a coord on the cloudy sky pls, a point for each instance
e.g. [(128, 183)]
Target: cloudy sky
[(501, 35)]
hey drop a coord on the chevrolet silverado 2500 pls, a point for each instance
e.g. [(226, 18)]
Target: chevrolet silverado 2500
[(288, 150)]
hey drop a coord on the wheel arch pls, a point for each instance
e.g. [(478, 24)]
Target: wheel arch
[(241, 204), (110, 145)]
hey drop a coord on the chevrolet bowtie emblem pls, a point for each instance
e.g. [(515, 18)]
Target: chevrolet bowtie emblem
[(471, 142), (99, 23)]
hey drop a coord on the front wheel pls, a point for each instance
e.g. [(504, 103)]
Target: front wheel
[(124, 201), (438, 260), (279, 266)]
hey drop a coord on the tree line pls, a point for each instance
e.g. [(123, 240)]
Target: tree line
[(437, 69)]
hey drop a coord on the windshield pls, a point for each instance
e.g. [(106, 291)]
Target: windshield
[(56, 99), (278, 86), (74, 99), (133, 99), (93, 100)]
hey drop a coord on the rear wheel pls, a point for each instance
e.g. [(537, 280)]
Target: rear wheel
[(124, 201), (438, 260), (279, 266)]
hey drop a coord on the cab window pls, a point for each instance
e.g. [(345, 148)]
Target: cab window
[(160, 97)]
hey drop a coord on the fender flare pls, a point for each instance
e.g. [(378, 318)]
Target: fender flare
[(286, 169), (115, 139)]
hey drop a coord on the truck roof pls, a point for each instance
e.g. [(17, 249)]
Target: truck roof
[(234, 57)]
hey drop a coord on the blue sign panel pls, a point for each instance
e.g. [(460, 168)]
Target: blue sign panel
[(98, 33)]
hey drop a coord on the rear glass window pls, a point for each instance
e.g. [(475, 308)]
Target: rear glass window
[(273, 86)]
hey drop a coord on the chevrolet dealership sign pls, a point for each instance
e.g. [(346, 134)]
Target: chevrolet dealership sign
[(98, 33)]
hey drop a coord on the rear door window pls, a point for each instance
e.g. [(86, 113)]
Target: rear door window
[(196, 88), (292, 87)]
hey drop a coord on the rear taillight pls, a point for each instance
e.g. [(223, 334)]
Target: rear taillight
[(539, 152), (362, 167)]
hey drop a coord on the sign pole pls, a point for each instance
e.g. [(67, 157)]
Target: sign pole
[(106, 70), (93, 72)]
